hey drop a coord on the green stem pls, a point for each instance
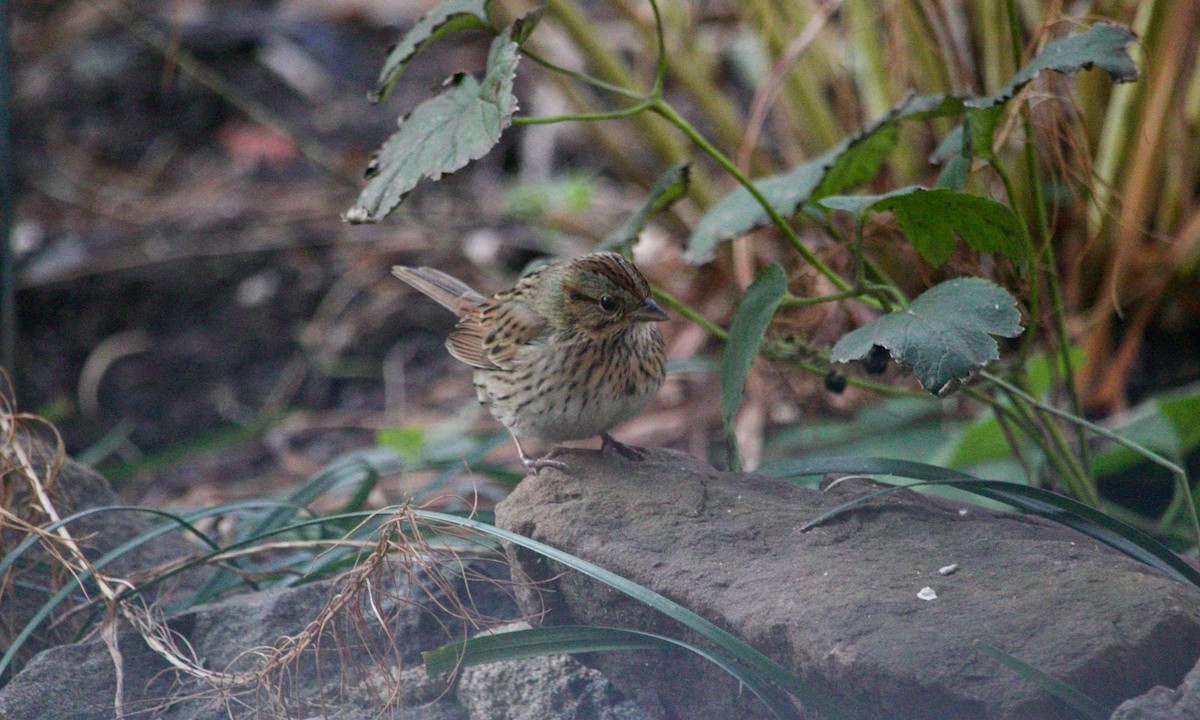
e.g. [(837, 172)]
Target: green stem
[(885, 281), (1031, 266), (614, 71), (660, 67), (690, 313), (582, 77), (582, 117), (663, 109), (1049, 265), (692, 70), (790, 300), (1176, 471), (1021, 420), (768, 352), (1058, 452)]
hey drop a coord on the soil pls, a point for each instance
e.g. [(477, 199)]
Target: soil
[(194, 316)]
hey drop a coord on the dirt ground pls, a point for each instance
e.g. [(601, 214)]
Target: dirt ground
[(194, 316)]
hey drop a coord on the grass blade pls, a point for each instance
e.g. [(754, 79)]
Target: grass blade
[(813, 698), (1052, 506), (567, 639), (1078, 701)]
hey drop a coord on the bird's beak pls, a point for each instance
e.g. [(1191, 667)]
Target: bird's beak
[(649, 311)]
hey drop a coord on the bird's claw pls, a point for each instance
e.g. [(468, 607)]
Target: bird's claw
[(534, 465), (629, 452)]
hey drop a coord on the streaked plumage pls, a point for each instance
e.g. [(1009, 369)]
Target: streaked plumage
[(566, 354)]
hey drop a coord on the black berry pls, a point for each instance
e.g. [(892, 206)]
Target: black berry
[(876, 360)]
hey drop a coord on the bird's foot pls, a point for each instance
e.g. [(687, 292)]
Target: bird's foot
[(629, 452), (534, 465)]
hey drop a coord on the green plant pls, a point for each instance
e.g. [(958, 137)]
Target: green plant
[(1006, 265), (946, 334)]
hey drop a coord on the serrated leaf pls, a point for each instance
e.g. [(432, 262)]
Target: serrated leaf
[(450, 16), (945, 336), (746, 330), (442, 134), (670, 186), (1102, 45), (851, 163), (931, 218)]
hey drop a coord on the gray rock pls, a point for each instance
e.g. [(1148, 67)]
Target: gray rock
[(839, 604), (340, 670), (555, 686), (75, 488), (1161, 703)]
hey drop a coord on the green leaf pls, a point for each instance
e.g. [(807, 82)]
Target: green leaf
[(746, 330), (450, 16), (931, 219), (944, 336), (1080, 702), (1168, 424), (983, 440), (354, 469), (1102, 45), (563, 639), (442, 134), (1052, 506), (851, 163), (408, 441), (670, 186)]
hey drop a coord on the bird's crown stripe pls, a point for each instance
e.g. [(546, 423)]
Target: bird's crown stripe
[(619, 270)]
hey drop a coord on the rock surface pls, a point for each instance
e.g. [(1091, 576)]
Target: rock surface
[(842, 604), (354, 675), (1163, 703), (342, 670), (357, 669), (555, 686)]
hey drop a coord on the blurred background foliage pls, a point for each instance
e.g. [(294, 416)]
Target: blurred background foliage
[(191, 308)]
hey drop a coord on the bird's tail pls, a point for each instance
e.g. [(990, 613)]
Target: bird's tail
[(449, 292)]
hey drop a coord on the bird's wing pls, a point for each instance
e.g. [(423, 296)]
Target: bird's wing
[(490, 337), (466, 343), (511, 326), (491, 332)]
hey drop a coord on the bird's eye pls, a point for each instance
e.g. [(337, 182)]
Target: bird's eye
[(607, 303)]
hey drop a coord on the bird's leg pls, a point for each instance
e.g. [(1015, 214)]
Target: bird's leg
[(629, 452), (533, 465)]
